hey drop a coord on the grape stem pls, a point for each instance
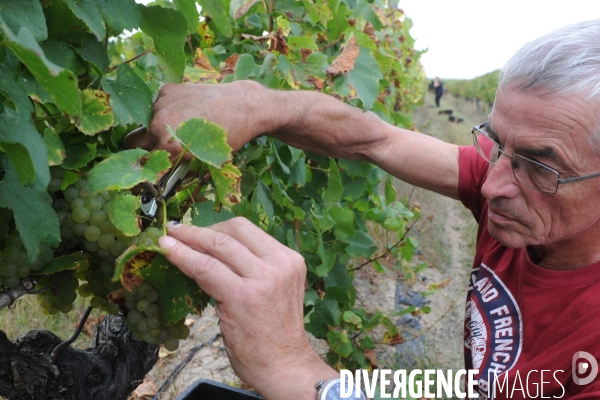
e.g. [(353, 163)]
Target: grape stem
[(74, 337)]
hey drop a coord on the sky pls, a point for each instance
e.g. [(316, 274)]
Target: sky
[(468, 38)]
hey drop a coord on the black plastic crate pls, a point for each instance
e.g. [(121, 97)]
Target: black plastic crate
[(204, 389)]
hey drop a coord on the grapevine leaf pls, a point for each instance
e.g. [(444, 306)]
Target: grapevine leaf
[(333, 193), (352, 318), (119, 15), (130, 98), (190, 12), (206, 140), (63, 24), (390, 190), (62, 55), (245, 67), (262, 193), (207, 215), (97, 115), (219, 18), (19, 139), (54, 147), (127, 168), (79, 154), (168, 30), (360, 244), (179, 295), (68, 262), (339, 343), (93, 51), (35, 219), (88, 12), (29, 13), (128, 265), (325, 313), (61, 84), (237, 8), (227, 182), (338, 23), (122, 211), (365, 78)]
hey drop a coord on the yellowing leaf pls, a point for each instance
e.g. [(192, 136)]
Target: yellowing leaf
[(96, 115)]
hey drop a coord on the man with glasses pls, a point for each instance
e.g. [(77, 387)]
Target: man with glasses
[(534, 291)]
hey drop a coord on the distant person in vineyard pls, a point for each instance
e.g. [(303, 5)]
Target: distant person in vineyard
[(438, 89), (532, 181)]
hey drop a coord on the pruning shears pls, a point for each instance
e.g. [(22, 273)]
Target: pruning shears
[(167, 187)]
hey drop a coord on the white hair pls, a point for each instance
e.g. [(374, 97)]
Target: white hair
[(565, 61)]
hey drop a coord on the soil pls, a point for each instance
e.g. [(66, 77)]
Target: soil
[(446, 232)]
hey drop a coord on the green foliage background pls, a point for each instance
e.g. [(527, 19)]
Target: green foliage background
[(480, 88), (71, 87)]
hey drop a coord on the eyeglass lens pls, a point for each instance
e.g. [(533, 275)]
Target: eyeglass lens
[(528, 172)]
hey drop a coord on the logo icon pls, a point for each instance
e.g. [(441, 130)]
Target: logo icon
[(583, 367)]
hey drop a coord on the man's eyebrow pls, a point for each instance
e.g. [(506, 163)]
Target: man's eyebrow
[(544, 152)]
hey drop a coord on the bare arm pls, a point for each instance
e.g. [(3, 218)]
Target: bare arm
[(311, 121)]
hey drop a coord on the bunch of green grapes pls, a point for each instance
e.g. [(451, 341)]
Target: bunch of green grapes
[(145, 321), (14, 263), (60, 294)]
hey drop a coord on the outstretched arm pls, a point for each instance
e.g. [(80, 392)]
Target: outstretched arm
[(311, 121)]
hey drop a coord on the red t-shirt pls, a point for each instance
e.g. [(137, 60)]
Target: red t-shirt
[(524, 321)]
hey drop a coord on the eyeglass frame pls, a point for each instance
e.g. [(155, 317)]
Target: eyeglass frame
[(559, 180)]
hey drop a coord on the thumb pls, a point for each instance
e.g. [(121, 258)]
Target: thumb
[(140, 138)]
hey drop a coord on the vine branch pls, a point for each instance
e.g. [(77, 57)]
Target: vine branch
[(143, 53), (388, 250), (9, 296)]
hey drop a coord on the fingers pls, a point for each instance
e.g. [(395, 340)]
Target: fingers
[(259, 242), (210, 274), (222, 246)]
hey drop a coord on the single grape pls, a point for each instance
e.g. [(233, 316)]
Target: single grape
[(71, 194), (92, 233), (113, 309), (79, 229), (94, 203), (152, 295), (145, 242), (66, 308), (11, 254), (117, 249), (106, 241), (85, 290), (66, 232), (14, 240), (8, 270), (96, 302), (98, 218), (142, 305), (54, 185), (143, 326), (23, 272), (46, 253), (80, 184), (171, 344), (80, 215), (153, 234), (134, 316), (22, 261), (106, 227), (144, 288), (76, 203), (104, 253), (154, 322), (152, 310), (92, 247), (69, 221)]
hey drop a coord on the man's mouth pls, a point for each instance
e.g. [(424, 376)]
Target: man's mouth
[(498, 216)]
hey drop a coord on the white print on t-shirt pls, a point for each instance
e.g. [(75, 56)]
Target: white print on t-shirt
[(493, 327)]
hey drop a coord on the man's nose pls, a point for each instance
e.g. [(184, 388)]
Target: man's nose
[(501, 181)]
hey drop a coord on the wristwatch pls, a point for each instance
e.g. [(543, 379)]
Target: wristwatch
[(331, 390)]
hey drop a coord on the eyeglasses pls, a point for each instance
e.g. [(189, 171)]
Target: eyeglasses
[(527, 171)]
